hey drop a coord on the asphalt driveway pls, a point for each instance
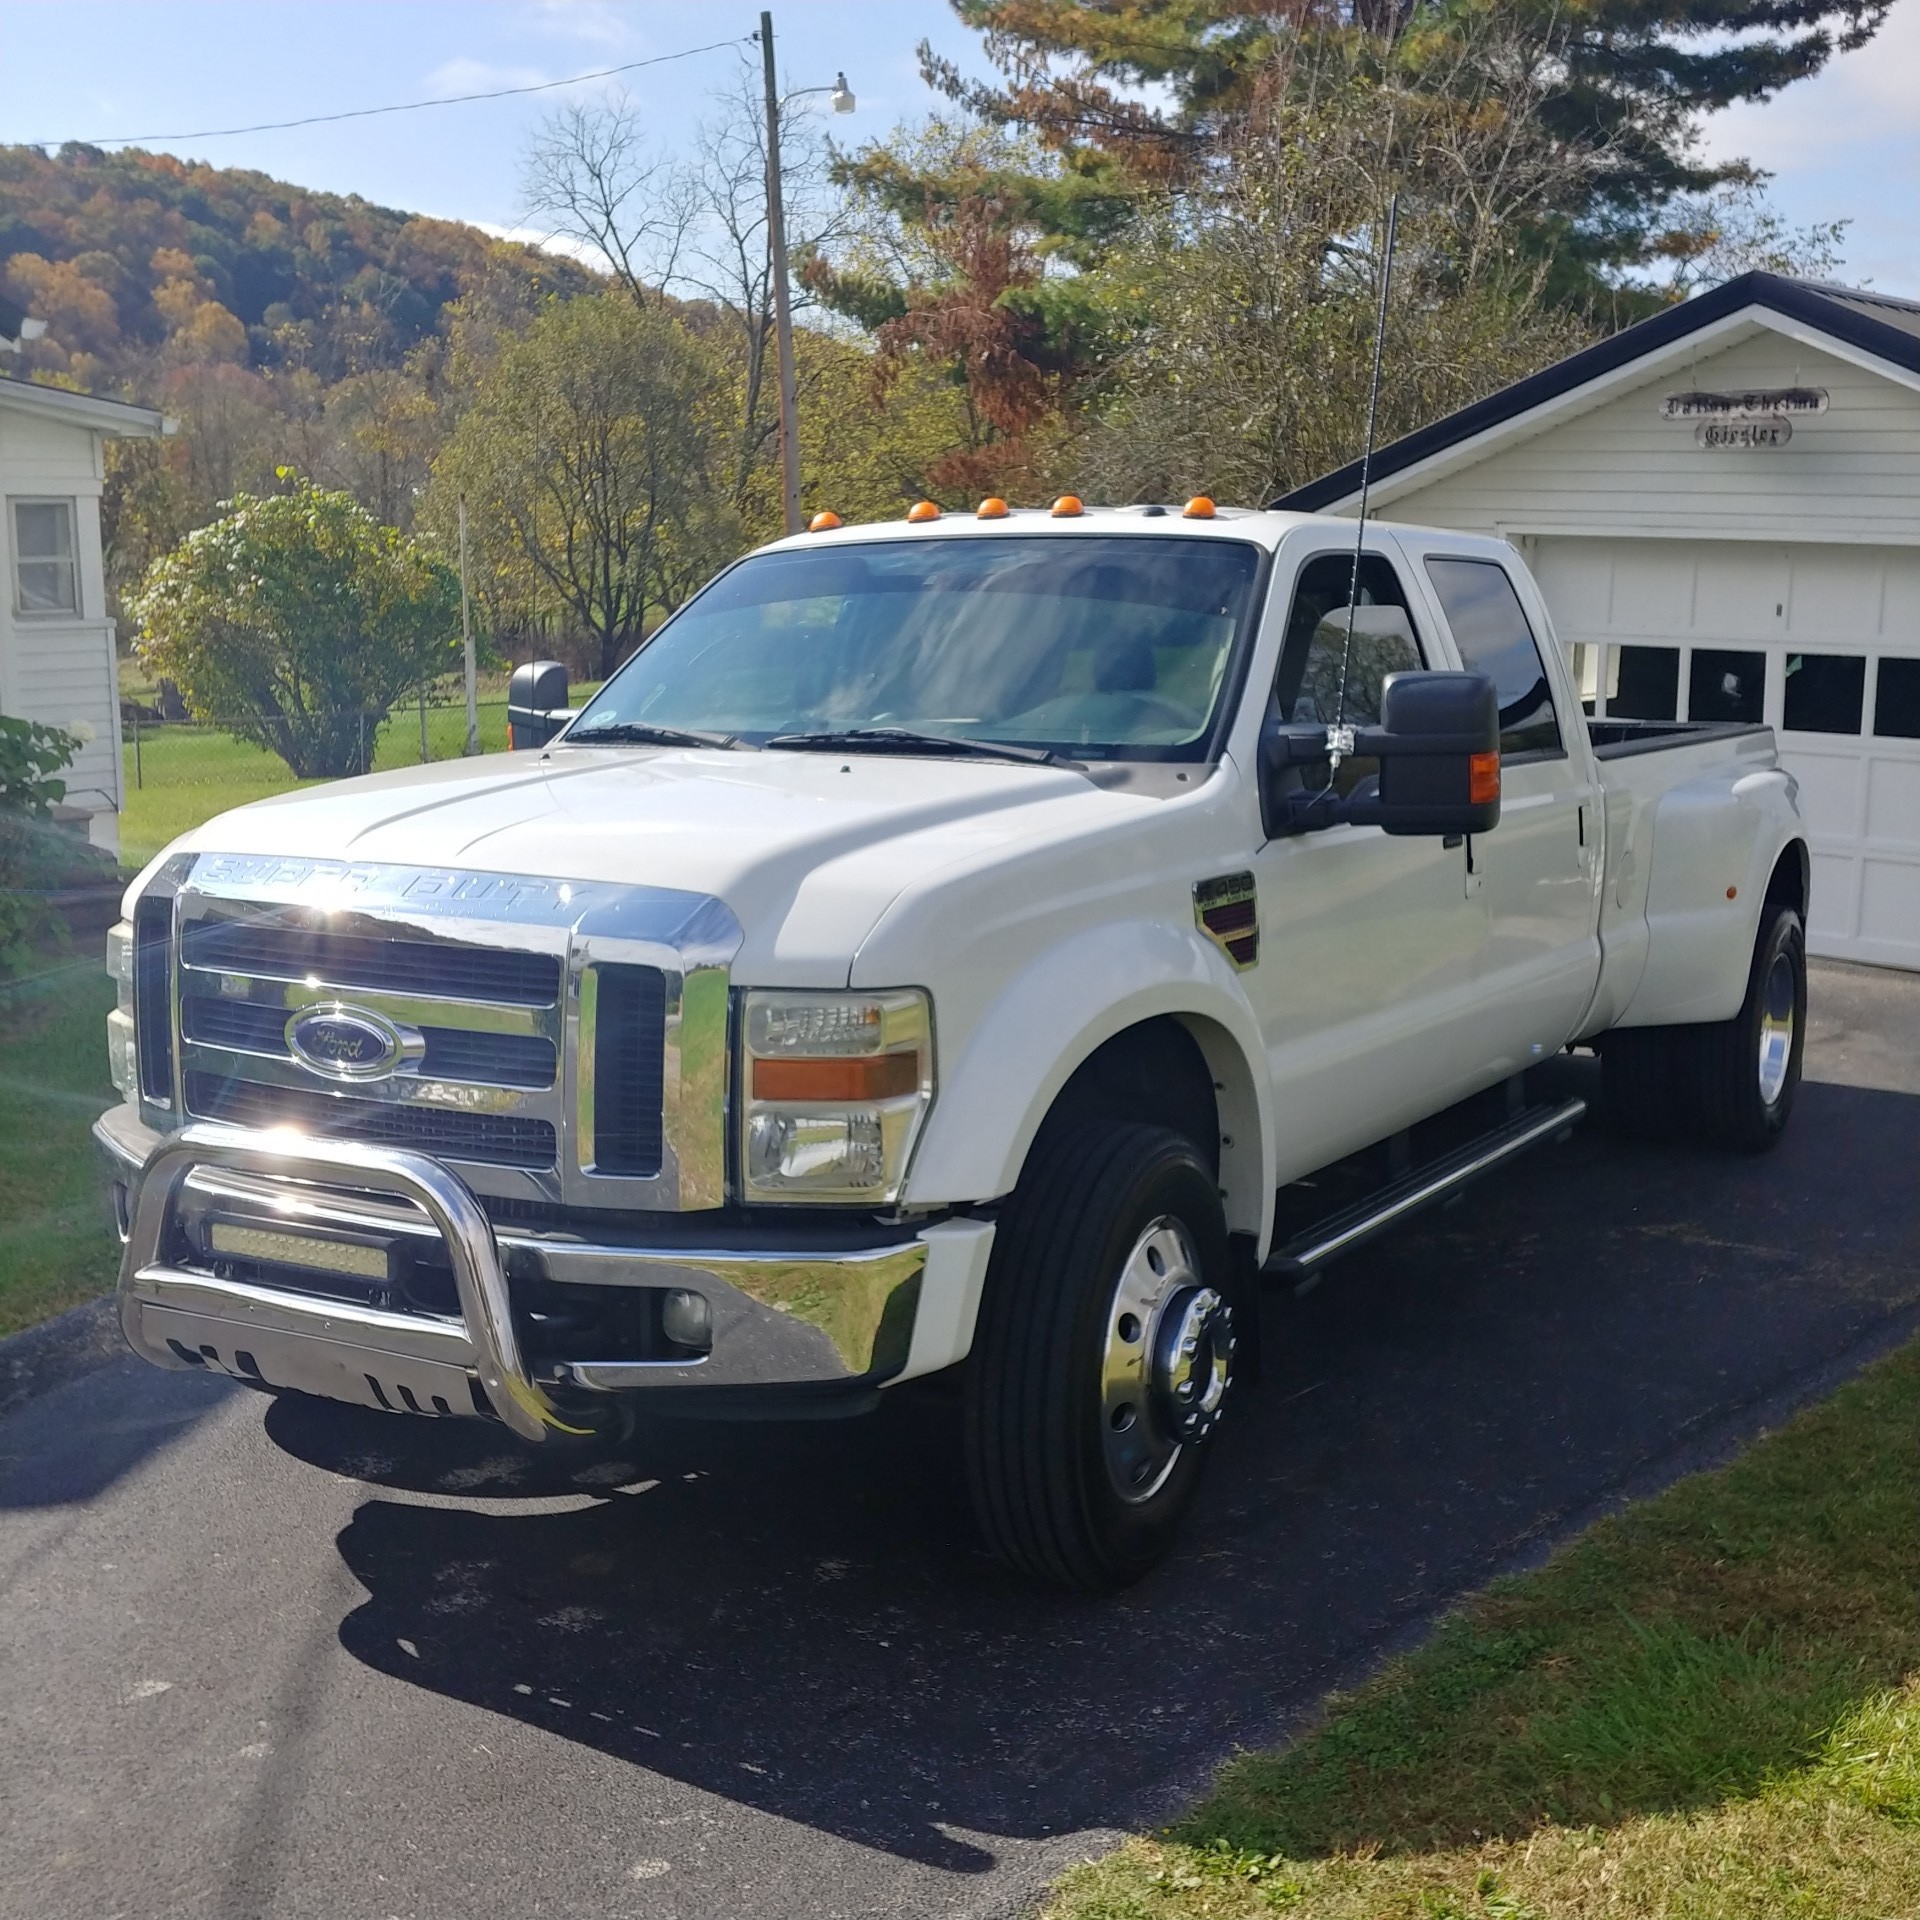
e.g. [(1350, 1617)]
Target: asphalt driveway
[(271, 1658)]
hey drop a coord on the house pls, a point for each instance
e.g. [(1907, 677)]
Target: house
[(57, 661), (1722, 505)]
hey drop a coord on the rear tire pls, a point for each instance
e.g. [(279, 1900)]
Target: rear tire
[(1746, 1070), (1730, 1084), (1104, 1352)]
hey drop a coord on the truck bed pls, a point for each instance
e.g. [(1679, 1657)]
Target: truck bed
[(1616, 739)]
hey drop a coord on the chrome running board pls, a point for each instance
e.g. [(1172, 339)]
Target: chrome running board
[(1339, 1233)]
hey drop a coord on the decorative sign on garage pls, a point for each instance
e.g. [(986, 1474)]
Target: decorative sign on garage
[(1753, 403), (1750, 434)]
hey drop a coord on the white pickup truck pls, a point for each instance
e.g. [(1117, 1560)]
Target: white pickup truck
[(945, 945)]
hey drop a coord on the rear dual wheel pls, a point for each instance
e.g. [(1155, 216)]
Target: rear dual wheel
[(1104, 1357), (1730, 1083)]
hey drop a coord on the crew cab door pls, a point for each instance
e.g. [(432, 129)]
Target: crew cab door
[(1372, 950), (1537, 874)]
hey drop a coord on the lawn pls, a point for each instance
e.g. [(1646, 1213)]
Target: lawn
[(179, 776), (1706, 1708), (58, 1248)]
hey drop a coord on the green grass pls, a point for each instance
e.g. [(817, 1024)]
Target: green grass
[(182, 776), (58, 1248), (1706, 1708)]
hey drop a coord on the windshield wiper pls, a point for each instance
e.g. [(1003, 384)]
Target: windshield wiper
[(640, 733), (906, 740)]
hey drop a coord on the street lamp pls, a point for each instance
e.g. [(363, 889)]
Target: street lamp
[(841, 96)]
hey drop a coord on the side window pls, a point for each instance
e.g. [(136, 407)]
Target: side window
[(1307, 690), (45, 577), (1490, 627)]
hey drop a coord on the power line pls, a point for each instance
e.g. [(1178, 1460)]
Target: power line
[(405, 106)]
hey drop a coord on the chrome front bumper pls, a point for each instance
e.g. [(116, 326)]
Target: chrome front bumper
[(859, 1317)]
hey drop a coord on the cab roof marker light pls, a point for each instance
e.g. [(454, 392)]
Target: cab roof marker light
[(923, 510), (1200, 507), (991, 508), (823, 522), (1068, 507)]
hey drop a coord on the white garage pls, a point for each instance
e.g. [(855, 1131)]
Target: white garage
[(1722, 505)]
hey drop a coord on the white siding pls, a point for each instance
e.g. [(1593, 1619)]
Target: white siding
[(1850, 474), (61, 671)]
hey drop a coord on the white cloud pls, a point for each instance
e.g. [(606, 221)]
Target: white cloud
[(558, 243), (464, 75), (597, 23), (1845, 145)]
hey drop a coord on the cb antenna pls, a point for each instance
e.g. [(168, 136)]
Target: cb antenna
[(1340, 736)]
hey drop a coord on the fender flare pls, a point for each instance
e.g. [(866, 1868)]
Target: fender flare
[(1037, 1031)]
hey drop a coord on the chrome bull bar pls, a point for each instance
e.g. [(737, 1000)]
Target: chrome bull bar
[(162, 1306)]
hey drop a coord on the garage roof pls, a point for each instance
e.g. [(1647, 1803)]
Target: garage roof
[(1873, 323)]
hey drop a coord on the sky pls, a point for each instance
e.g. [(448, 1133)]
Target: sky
[(1845, 145)]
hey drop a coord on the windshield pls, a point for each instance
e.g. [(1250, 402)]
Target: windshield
[(1093, 646)]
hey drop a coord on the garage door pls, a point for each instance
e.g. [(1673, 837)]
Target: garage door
[(1820, 642)]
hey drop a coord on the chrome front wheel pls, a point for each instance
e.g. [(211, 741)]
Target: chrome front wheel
[(1166, 1359)]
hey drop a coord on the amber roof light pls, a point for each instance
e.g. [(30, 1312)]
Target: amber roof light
[(1067, 507), (923, 510), (1198, 508), (991, 508), (823, 522)]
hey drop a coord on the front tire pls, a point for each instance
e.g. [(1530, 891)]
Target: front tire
[(1104, 1355)]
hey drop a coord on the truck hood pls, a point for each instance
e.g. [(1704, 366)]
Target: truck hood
[(807, 849)]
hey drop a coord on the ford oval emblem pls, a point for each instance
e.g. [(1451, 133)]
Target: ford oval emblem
[(349, 1043)]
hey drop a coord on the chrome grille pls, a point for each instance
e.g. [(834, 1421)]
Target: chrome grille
[(501, 1140), (480, 993), (382, 962), (482, 1080), (453, 1053)]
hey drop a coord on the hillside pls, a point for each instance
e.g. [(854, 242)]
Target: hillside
[(139, 261)]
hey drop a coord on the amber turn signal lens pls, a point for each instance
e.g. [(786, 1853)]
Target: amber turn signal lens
[(1483, 779), (991, 508), (1067, 506), (880, 1076), (823, 522), (923, 510), (1198, 508)]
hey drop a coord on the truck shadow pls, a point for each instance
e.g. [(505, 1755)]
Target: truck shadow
[(800, 1618)]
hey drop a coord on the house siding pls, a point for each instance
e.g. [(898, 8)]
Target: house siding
[(1851, 474)]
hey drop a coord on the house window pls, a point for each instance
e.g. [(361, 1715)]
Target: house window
[(46, 578)]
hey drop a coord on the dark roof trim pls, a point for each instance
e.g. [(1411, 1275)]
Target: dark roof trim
[(1842, 312)]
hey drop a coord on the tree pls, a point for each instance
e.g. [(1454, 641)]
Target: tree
[(1246, 302), (691, 236), (1141, 91), (296, 622), (31, 846), (585, 458)]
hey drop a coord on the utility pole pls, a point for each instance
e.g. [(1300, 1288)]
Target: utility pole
[(466, 641), (782, 311)]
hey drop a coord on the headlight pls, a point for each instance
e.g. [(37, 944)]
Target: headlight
[(834, 1089), (122, 1068)]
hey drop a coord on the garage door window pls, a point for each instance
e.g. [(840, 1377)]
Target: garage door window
[(1491, 629), (1726, 686), (1644, 684), (1896, 707), (1825, 692)]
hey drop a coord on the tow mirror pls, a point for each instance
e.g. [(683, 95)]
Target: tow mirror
[(1438, 745), (536, 703)]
